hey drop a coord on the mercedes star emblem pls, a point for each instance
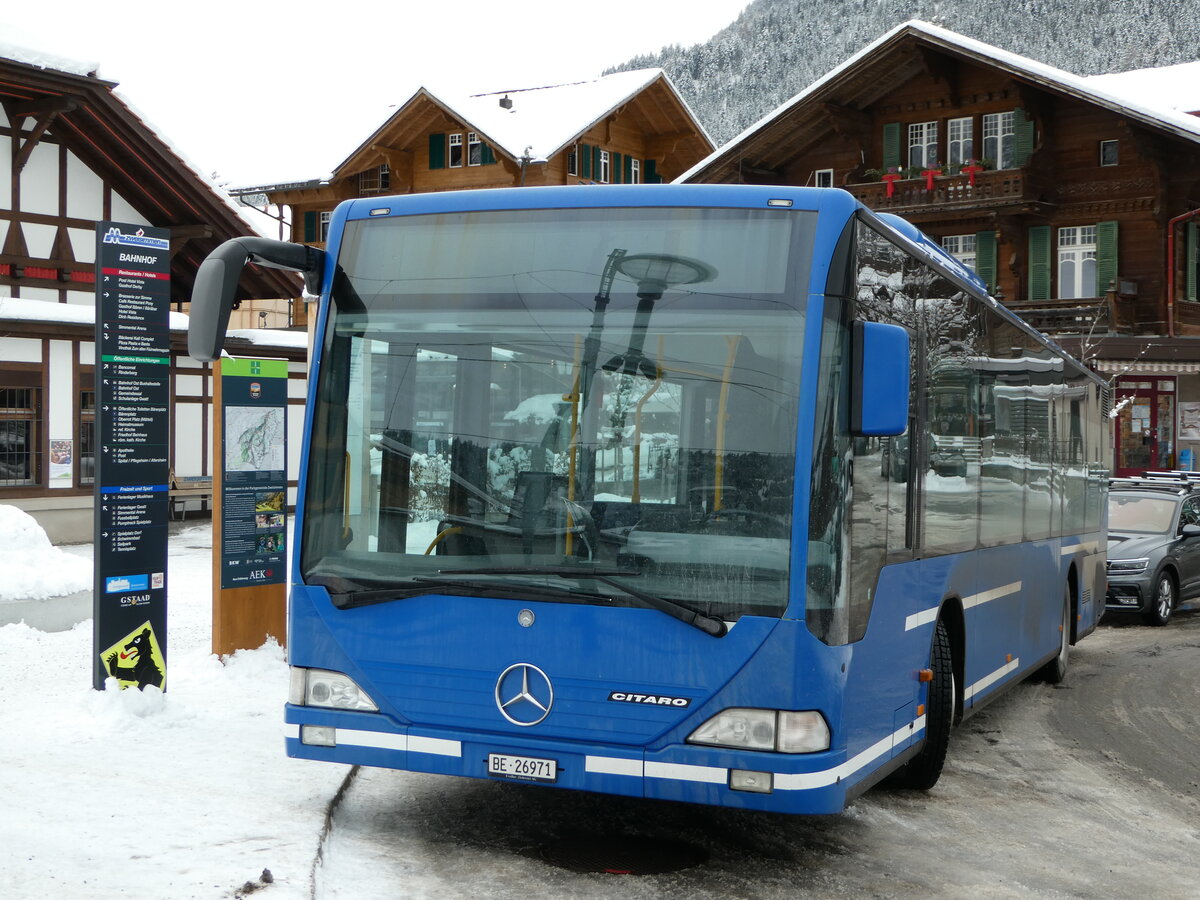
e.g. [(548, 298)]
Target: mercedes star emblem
[(524, 694)]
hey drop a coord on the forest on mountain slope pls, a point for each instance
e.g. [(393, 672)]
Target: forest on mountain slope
[(776, 48)]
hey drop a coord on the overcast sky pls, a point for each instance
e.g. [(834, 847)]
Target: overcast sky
[(261, 92)]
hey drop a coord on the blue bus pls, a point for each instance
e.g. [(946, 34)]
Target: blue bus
[(648, 490)]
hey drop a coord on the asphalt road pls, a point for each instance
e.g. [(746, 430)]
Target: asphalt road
[(1088, 789)]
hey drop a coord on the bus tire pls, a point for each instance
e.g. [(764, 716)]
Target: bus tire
[(923, 771), (1055, 670)]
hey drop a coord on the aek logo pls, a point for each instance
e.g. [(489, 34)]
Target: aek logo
[(261, 573)]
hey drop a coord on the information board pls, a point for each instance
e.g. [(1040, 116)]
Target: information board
[(254, 482), (133, 422)]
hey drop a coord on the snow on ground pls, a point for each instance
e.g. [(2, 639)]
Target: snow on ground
[(127, 794), (33, 567)]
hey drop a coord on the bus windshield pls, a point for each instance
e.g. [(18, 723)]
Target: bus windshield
[(584, 405)]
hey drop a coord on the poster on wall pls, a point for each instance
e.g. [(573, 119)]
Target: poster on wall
[(1189, 421), (62, 455)]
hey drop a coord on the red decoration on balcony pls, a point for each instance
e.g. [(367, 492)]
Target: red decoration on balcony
[(40, 272), (971, 171), (891, 178), (929, 173)]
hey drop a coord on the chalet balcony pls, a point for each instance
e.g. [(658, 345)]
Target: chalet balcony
[(993, 189), (1112, 314)]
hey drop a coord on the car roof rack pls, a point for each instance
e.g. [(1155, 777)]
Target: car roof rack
[(1174, 481)]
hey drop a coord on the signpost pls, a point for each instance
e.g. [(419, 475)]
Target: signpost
[(133, 355), (250, 529)]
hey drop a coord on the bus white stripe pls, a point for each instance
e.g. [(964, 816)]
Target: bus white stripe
[(924, 617), (378, 740), (784, 781), (383, 740), (434, 746), (613, 765), (684, 772), (988, 680), (993, 594), (927, 616)]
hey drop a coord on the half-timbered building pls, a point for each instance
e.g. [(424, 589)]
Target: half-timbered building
[(73, 153), (1076, 199)]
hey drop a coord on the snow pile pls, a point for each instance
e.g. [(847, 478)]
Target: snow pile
[(33, 568)]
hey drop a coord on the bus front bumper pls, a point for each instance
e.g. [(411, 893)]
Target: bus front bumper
[(809, 783)]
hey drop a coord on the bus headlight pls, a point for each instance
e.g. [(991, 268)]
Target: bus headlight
[(778, 731), (333, 690)]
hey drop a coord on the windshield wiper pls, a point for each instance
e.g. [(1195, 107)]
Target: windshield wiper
[(684, 613), (347, 594)]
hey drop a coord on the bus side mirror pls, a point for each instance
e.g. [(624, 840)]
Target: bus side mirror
[(215, 289), (880, 380)]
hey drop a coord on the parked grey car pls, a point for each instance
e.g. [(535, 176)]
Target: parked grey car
[(1153, 545)]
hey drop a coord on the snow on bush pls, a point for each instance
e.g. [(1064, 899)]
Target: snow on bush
[(33, 568)]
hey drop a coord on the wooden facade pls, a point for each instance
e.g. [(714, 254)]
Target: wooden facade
[(628, 127), (1067, 202), (73, 154)]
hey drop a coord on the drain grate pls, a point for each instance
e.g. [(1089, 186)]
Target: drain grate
[(621, 854)]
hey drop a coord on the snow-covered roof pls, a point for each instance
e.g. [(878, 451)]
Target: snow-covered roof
[(55, 63), (26, 310), (44, 60), (1078, 86), (1165, 87), (541, 120)]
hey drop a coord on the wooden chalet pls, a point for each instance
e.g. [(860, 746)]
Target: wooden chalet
[(625, 128), (1076, 202), (73, 153)]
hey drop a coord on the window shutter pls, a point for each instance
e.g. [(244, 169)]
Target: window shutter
[(627, 172), (596, 163), (437, 151), (1106, 256), (891, 145), (487, 156), (585, 161), (650, 172), (310, 227), (1039, 262), (985, 258), (1023, 135), (617, 171), (1193, 260)]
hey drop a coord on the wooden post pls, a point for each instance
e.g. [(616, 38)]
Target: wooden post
[(242, 617)]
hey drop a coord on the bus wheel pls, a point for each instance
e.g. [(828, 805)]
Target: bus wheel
[(1055, 671), (922, 771)]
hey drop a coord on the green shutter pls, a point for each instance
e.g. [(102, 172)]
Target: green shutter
[(627, 174), (985, 258), (1039, 262), (650, 172), (1106, 256), (585, 161), (437, 151), (487, 157), (617, 171), (1193, 260), (891, 145), (310, 227), (596, 163), (1023, 135)]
